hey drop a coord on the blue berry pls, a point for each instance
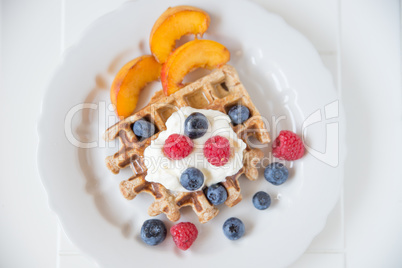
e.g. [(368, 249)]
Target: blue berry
[(261, 200), (196, 125), (238, 114), (143, 129), (192, 179), (233, 228), (153, 232), (276, 173), (216, 194)]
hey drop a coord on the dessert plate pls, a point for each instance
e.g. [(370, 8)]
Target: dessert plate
[(286, 81)]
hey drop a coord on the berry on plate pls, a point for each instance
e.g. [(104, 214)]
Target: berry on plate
[(177, 146), (143, 129), (153, 232), (184, 234), (217, 150), (238, 114), (233, 228), (288, 146), (216, 194), (276, 173), (196, 125), (192, 179), (261, 200)]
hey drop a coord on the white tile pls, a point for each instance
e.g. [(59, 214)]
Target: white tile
[(78, 15), (318, 20), (317, 260), (371, 89), (30, 49)]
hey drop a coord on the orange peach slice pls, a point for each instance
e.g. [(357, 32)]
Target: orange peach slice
[(129, 82), (174, 23), (194, 54)]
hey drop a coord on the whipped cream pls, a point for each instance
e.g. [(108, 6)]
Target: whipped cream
[(167, 172)]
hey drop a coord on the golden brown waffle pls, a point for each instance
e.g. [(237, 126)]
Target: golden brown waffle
[(219, 90), (170, 203)]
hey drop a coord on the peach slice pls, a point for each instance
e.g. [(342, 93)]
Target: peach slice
[(194, 54), (174, 23), (129, 82)]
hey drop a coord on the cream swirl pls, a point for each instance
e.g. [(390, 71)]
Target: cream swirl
[(167, 172)]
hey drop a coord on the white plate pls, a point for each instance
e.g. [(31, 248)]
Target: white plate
[(284, 76)]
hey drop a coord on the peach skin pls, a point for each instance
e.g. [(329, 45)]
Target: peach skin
[(174, 23), (129, 82), (192, 55)]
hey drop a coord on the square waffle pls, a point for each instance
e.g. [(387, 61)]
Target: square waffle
[(220, 90)]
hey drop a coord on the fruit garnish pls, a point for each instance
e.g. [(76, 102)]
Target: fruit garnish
[(143, 129), (184, 234), (261, 200), (153, 232), (177, 146), (190, 56), (276, 173), (174, 23), (192, 179), (233, 228), (216, 194), (288, 146), (195, 125), (129, 82), (217, 150), (239, 114)]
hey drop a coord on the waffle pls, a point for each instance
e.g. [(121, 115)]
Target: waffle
[(220, 90)]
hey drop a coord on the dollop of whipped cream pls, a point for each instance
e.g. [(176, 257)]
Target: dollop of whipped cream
[(167, 172)]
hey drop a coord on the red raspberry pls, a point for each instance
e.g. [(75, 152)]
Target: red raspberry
[(288, 146), (184, 234), (177, 146), (217, 150)]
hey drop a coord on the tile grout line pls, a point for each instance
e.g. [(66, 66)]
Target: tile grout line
[(327, 52), (343, 226), (340, 87), (1, 34), (69, 253), (62, 26), (325, 252), (62, 39), (58, 245), (400, 42)]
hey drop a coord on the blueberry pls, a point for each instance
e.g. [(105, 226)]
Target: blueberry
[(261, 200), (192, 179), (153, 232), (196, 125), (276, 173), (233, 228), (143, 129), (216, 194), (238, 114)]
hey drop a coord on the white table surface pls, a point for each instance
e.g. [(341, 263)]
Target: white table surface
[(359, 41)]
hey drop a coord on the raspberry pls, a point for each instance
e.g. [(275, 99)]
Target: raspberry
[(177, 146), (217, 150), (288, 146), (184, 234)]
